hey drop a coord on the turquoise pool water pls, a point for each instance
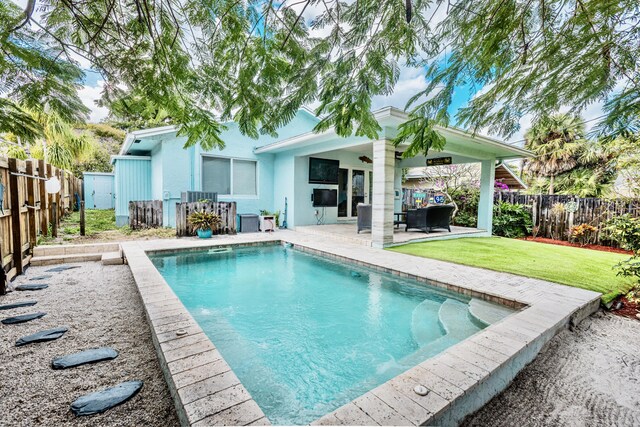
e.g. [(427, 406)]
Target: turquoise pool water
[(306, 335)]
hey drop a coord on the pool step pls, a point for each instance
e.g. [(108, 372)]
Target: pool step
[(486, 312), (455, 324), (455, 320), (92, 248), (108, 253), (64, 259), (422, 327)]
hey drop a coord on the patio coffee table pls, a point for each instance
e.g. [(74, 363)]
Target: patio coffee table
[(401, 219)]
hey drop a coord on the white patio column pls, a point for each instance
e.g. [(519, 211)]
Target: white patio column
[(383, 178), (485, 205)]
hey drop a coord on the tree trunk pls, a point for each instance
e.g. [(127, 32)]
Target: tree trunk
[(551, 184)]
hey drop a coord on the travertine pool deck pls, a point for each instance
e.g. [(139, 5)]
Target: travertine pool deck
[(460, 380)]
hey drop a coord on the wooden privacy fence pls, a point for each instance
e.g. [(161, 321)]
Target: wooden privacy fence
[(27, 209), (145, 214), (554, 215), (226, 211)]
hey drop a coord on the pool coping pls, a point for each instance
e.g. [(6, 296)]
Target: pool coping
[(460, 379)]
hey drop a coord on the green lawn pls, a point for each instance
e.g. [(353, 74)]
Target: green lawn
[(582, 268), (95, 221)]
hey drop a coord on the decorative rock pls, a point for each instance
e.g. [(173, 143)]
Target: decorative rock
[(421, 390), (48, 335), (103, 400), (31, 287), (638, 316), (84, 357), (23, 318), (47, 276), (62, 268), (17, 305)]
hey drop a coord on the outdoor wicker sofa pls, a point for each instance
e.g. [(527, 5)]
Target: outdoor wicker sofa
[(430, 218)]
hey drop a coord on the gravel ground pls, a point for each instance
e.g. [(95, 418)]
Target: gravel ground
[(586, 377), (101, 307)]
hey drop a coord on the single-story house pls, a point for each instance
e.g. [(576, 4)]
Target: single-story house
[(261, 174)]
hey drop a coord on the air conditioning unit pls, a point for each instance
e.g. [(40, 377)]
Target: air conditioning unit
[(196, 196), (267, 223)]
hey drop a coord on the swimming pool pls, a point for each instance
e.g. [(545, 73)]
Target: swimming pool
[(305, 334)]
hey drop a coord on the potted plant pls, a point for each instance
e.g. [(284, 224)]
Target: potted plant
[(204, 223)]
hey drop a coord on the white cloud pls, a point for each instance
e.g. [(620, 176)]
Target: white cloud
[(410, 82), (89, 95)]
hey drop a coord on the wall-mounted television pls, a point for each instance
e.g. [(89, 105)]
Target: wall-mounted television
[(323, 171), (325, 198)]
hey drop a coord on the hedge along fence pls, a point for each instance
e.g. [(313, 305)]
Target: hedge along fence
[(554, 215), (27, 209), (226, 211)]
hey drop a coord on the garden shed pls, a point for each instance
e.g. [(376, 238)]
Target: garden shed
[(99, 190)]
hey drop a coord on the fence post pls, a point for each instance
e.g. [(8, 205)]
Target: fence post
[(54, 219), (15, 216), (82, 217), (31, 201), (44, 199), (59, 200)]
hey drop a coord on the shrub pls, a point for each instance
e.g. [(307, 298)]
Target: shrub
[(204, 220), (625, 229), (582, 234), (511, 220)]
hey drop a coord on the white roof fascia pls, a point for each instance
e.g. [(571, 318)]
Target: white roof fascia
[(144, 133)]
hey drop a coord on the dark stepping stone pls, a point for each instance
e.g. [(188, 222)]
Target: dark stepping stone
[(84, 357), (62, 268), (23, 318), (32, 287), (47, 276), (18, 305), (48, 335), (100, 401)]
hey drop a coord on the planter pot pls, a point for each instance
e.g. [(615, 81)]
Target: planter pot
[(204, 234)]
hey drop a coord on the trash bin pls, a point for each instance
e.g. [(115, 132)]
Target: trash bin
[(248, 223)]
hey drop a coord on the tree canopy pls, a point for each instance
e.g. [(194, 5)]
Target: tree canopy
[(202, 62), (34, 77)]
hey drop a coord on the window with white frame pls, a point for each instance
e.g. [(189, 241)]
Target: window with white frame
[(225, 176)]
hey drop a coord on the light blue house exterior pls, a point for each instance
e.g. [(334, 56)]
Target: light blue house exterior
[(260, 174)]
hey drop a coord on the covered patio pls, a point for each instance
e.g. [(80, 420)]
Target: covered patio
[(371, 173)]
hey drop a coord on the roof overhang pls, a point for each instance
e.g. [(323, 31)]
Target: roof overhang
[(390, 117), (141, 134)]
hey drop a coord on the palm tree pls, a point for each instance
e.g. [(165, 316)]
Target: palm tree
[(556, 141), (61, 145)]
